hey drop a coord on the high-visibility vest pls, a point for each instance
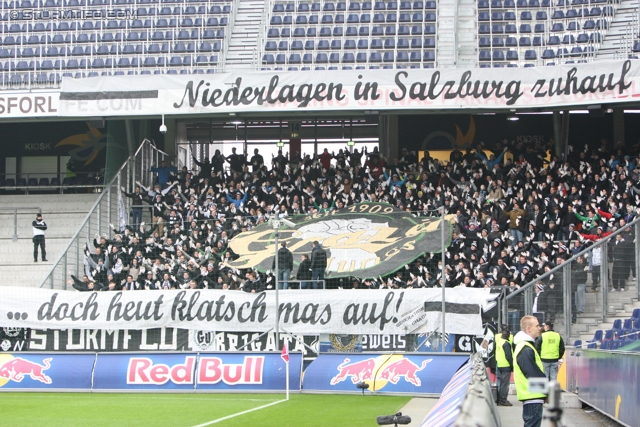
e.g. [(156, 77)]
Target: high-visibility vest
[(550, 348), (501, 358), (522, 383)]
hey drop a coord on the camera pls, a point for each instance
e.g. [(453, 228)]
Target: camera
[(163, 127)]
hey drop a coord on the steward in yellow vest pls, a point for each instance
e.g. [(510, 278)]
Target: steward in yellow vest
[(504, 364), (527, 364)]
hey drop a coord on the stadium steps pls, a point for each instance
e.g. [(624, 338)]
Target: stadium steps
[(621, 306), (63, 215), (445, 48), (245, 36), (616, 44), (467, 34)]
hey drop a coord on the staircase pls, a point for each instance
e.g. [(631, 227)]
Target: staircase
[(467, 34), (621, 305), (62, 215), (446, 54), (623, 31), (246, 29)]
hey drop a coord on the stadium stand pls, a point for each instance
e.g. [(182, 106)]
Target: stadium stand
[(111, 38)]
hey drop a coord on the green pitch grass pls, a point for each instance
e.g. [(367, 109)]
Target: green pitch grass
[(188, 410)]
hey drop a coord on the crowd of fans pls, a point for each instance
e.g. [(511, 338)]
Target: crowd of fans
[(517, 212)]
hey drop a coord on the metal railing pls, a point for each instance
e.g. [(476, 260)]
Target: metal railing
[(15, 217), (562, 289), (105, 211)]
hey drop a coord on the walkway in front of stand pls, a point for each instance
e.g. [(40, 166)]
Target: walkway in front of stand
[(511, 416)]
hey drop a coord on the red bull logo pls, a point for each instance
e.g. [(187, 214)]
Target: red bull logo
[(379, 371), (403, 368), (17, 368), (211, 370), (142, 370), (358, 371)]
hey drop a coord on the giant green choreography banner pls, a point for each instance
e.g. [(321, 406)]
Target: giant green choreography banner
[(364, 240)]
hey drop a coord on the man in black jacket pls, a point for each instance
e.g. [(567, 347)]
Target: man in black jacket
[(39, 227), (285, 265), (528, 365), (304, 272), (318, 263), (136, 206)]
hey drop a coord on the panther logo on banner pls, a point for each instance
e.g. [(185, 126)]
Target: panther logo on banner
[(363, 240)]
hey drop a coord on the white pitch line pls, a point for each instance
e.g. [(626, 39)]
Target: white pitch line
[(133, 396), (240, 413)]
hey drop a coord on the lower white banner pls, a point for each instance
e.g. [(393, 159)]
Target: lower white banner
[(308, 312)]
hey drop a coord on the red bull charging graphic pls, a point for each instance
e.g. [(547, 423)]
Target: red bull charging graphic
[(17, 368), (28, 371), (401, 373)]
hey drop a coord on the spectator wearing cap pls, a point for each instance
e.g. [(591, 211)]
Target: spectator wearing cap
[(550, 347), (39, 227)]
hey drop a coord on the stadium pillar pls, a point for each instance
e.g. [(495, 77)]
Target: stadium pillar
[(561, 132), (388, 135), (170, 137), (618, 126)]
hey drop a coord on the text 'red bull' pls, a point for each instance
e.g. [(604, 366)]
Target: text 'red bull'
[(211, 370)]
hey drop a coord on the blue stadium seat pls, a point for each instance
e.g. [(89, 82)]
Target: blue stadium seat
[(512, 55), (582, 38), (376, 44), (553, 40), (361, 57), (336, 44), (530, 55), (321, 58), (351, 32), (299, 32), (349, 44), (548, 54), (375, 57), (283, 45), (363, 44), (307, 58), (348, 57), (297, 45), (323, 45), (309, 45), (268, 59)]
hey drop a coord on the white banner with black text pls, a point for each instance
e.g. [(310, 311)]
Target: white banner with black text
[(301, 312), (375, 90)]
